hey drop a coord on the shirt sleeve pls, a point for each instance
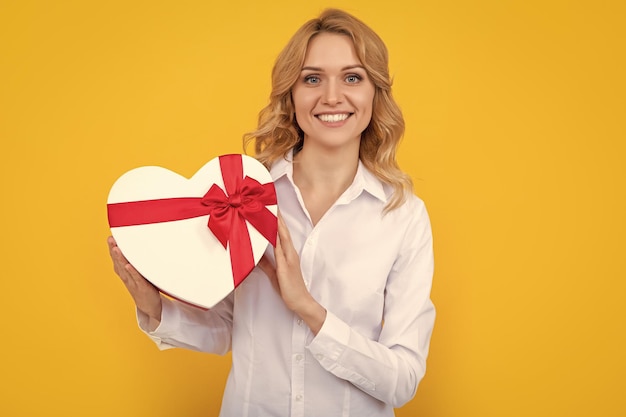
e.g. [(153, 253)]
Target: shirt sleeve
[(190, 327), (391, 367)]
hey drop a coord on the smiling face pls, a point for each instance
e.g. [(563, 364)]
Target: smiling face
[(333, 96)]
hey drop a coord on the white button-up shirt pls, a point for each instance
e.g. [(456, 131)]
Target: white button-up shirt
[(372, 273)]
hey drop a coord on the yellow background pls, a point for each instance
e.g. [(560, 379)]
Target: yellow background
[(515, 140)]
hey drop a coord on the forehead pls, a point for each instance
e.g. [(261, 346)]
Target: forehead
[(329, 49)]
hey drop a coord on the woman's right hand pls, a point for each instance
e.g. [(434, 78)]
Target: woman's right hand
[(146, 296)]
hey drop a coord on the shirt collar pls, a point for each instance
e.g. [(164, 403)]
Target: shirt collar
[(364, 180), (282, 166)]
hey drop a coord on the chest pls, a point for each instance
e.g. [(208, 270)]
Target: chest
[(346, 259)]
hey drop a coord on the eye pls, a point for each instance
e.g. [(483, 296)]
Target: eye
[(353, 78), (311, 79)]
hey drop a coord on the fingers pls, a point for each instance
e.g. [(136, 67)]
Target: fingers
[(266, 265), (134, 275), (115, 252), (270, 270), (121, 266), (284, 238), (145, 295), (119, 261), (284, 245)]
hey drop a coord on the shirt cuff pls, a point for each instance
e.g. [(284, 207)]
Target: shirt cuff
[(170, 317), (330, 348), (331, 341)]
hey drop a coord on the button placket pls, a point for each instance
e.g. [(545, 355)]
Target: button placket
[(298, 339), (300, 330)]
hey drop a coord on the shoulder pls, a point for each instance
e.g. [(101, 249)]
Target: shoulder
[(411, 217), (411, 205)]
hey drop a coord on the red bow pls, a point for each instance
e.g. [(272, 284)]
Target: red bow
[(245, 200)]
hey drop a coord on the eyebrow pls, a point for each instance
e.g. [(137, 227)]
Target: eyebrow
[(349, 67)]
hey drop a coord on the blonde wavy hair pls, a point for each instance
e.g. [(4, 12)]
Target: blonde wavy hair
[(278, 132)]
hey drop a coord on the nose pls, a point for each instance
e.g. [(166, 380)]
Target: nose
[(332, 93)]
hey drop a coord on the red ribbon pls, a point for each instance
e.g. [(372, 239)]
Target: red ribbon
[(245, 200)]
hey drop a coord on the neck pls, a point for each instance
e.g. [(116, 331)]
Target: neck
[(329, 170)]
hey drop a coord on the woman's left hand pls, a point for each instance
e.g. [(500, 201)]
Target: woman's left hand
[(286, 277)]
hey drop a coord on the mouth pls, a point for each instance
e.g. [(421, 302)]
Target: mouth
[(333, 118)]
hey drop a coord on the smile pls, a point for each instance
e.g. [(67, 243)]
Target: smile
[(333, 118)]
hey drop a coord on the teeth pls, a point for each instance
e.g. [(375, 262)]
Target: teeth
[(333, 117)]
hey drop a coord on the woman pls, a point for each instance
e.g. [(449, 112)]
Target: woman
[(337, 319)]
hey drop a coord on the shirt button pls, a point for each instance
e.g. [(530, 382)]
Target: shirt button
[(298, 397), (299, 321), (298, 358)]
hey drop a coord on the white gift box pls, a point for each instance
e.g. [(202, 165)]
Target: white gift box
[(195, 239)]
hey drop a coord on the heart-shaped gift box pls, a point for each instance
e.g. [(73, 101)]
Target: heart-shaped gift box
[(195, 239)]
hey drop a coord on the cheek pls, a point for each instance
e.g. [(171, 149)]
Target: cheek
[(367, 102), (366, 97), (299, 110), (303, 105)]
